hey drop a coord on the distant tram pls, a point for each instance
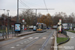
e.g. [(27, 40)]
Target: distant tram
[(41, 27)]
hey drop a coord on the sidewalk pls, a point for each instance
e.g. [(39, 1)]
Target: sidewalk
[(5, 42), (70, 45), (13, 35), (10, 36)]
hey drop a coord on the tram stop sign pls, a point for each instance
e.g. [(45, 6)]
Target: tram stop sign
[(23, 20)]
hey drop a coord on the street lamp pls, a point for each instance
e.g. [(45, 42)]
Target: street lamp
[(3, 10), (4, 23), (17, 11), (4, 13), (8, 12), (8, 22)]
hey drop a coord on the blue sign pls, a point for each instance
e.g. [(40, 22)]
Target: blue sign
[(34, 28), (17, 27)]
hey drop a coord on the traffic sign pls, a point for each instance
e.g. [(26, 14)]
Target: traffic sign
[(23, 20)]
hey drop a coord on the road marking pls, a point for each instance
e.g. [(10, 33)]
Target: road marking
[(12, 47), (17, 45), (32, 42), (22, 38), (52, 37), (44, 37), (30, 38), (21, 43), (46, 42), (72, 37), (36, 37), (68, 47)]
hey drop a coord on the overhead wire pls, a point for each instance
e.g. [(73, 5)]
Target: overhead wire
[(45, 5), (33, 3), (24, 4)]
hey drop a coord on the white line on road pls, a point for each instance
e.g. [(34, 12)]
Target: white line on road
[(33, 41), (12, 47), (22, 37), (52, 37), (44, 37), (72, 37), (46, 42), (17, 45), (36, 38), (30, 38)]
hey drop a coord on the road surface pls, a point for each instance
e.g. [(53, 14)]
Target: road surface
[(36, 41)]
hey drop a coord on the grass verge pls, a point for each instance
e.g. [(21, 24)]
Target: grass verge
[(61, 39), (71, 31), (3, 30)]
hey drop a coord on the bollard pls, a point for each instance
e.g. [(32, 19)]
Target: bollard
[(3, 35), (12, 32), (6, 32)]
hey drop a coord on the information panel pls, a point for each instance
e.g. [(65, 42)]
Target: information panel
[(17, 27)]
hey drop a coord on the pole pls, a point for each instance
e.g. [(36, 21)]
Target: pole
[(36, 12), (39, 18), (17, 11), (23, 24), (8, 23), (4, 11), (4, 19), (35, 17), (4, 24), (6, 33)]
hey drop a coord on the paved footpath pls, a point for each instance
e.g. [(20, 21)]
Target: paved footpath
[(70, 45), (12, 35)]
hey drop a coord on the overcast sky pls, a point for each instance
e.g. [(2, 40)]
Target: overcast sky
[(67, 6)]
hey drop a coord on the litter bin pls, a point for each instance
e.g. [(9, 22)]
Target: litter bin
[(74, 29)]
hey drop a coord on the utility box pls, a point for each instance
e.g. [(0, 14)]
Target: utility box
[(74, 29)]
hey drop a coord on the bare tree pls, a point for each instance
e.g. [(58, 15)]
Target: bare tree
[(29, 16)]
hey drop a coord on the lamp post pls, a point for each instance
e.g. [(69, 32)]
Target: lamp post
[(17, 11), (4, 13), (4, 17), (8, 22), (4, 23)]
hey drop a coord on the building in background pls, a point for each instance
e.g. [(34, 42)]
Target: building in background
[(68, 25)]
